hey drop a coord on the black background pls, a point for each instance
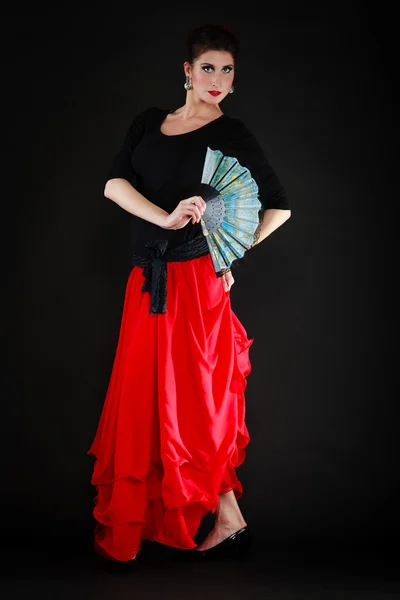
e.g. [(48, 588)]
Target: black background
[(315, 85)]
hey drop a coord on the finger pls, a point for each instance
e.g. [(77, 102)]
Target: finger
[(201, 206), (197, 210), (192, 213), (199, 202), (198, 214), (203, 203), (229, 279)]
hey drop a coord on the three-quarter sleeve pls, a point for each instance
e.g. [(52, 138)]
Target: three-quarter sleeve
[(250, 154), (121, 166), (271, 191)]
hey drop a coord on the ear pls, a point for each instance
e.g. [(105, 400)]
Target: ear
[(187, 68)]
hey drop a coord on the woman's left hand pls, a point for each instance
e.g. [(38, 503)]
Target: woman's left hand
[(227, 281)]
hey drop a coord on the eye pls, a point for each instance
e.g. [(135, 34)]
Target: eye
[(226, 69)]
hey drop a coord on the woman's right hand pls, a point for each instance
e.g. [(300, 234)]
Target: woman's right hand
[(190, 209)]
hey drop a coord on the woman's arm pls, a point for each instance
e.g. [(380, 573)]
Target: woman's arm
[(275, 208), (127, 197), (120, 191), (273, 218)]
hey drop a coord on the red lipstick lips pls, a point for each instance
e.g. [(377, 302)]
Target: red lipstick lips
[(214, 93)]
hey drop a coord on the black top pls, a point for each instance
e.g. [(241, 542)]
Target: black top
[(168, 168)]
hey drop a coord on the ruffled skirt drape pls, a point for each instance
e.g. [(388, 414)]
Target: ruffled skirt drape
[(172, 428)]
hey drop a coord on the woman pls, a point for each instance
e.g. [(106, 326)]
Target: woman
[(172, 429)]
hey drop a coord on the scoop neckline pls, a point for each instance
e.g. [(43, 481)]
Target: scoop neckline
[(166, 112)]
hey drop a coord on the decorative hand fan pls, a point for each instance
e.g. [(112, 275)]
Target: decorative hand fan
[(230, 219)]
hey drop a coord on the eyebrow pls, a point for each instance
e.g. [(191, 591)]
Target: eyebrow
[(211, 65)]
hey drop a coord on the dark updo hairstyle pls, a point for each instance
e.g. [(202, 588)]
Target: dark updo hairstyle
[(211, 37)]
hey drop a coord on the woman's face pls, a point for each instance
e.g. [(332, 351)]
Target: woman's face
[(213, 71)]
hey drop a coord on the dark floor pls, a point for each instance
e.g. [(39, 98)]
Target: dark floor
[(312, 574)]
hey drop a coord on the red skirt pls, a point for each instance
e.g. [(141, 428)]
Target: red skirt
[(172, 429)]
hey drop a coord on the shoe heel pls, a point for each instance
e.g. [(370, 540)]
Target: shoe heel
[(240, 546), (243, 548)]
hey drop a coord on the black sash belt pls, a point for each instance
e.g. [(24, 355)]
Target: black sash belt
[(155, 268)]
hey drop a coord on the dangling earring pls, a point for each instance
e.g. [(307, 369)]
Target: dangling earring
[(188, 84), (232, 90)]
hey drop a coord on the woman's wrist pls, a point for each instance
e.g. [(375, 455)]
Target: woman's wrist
[(161, 218)]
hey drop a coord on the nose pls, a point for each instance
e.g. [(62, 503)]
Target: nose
[(216, 81)]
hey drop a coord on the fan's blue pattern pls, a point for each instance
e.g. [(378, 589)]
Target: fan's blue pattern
[(240, 194)]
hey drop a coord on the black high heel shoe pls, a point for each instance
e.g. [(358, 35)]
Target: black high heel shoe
[(236, 546)]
